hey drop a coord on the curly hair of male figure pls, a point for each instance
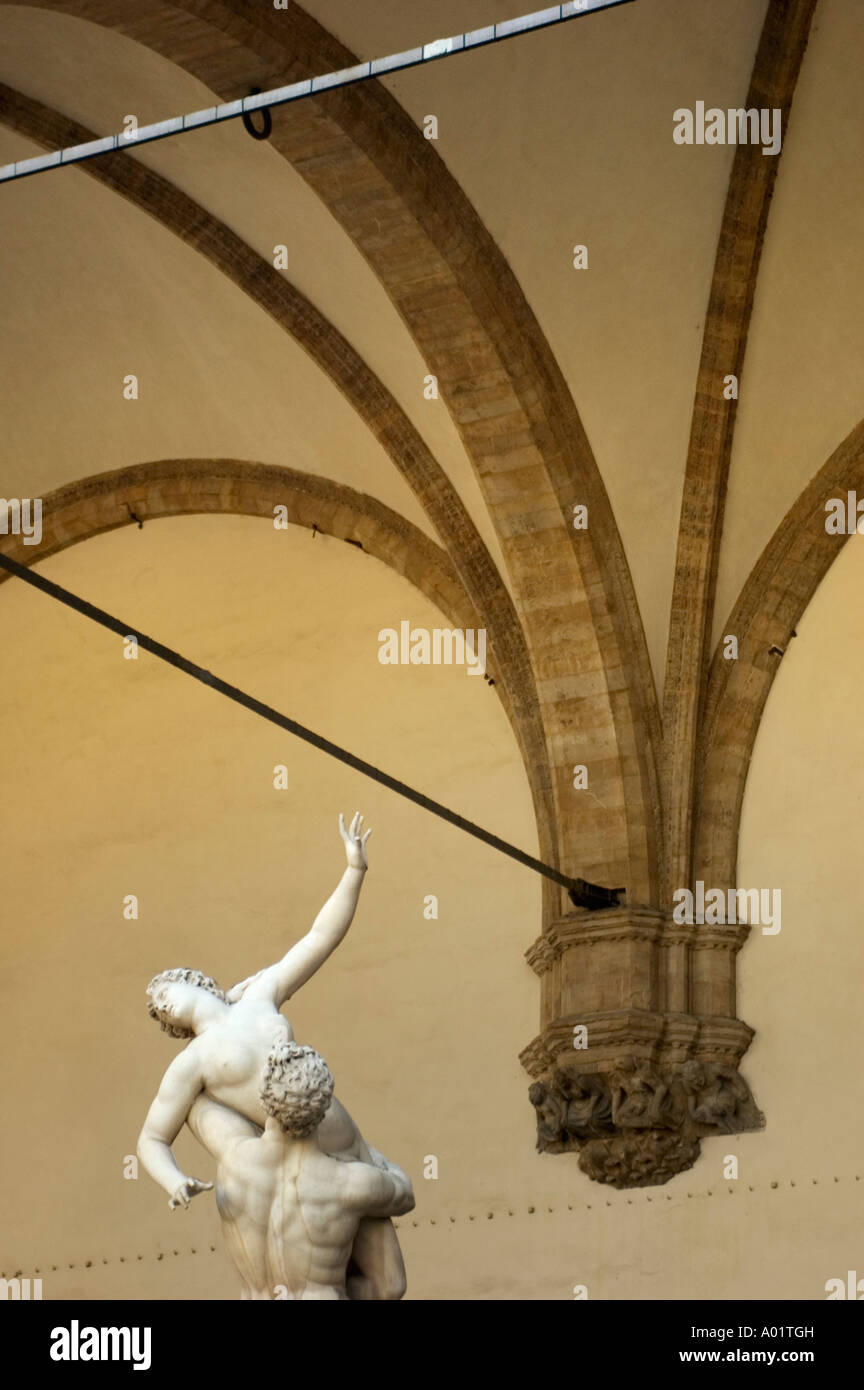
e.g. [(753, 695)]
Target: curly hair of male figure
[(296, 1087)]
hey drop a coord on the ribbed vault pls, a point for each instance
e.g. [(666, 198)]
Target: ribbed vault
[(745, 217), (567, 650), (782, 583), (387, 187), (377, 409)]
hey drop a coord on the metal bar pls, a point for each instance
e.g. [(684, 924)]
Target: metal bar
[(297, 91), (282, 721)]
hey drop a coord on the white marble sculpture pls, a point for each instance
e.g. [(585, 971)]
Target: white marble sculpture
[(291, 1211), (226, 1085)]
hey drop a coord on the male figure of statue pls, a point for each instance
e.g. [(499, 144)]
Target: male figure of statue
[(231, 1036), (290, 1212)]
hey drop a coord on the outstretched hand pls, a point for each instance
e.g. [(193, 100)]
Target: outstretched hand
[(355, 841), (189, 1188)]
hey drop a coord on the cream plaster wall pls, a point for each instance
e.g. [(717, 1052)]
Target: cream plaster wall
[(593, 162), (565, 137), (801, 389), (131, 778), (122, 777), (127, 777), (97, 76), (94, 289)]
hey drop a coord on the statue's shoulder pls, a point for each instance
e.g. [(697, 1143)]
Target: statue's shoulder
[(196, 1047)]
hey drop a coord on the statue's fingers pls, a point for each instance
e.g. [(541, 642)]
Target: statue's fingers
[(366, 837), (342, 830)]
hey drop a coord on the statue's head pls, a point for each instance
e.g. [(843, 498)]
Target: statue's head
[(173, 997), (296, 1088)]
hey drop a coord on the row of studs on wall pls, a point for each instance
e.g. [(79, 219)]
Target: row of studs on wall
[(490, 1216)]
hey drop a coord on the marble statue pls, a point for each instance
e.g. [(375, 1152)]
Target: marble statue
[(233, 1040), (290, 1211)]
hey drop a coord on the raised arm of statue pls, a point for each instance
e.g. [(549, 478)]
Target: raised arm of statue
[(278, 982), (165, 1118)]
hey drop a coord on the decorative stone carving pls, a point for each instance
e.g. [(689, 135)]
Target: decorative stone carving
[(635, 1126), (641, 1099), (588, 1105), (536, 1057), (645, 1159), (637, 1057), (718, 1097), (542, 955), (551, 1110)]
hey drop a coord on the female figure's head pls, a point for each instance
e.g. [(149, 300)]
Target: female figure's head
[(180, 999)]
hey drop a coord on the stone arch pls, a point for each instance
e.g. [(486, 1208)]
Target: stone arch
[(186, 487), (377, 409), (730, 303), (779, 588), (460, 299)]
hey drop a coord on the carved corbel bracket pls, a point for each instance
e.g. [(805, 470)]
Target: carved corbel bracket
[(627, 1072)]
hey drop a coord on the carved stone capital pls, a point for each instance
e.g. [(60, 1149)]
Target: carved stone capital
[(726, 937), (637, 1057), (542, 954), (536, 1057)]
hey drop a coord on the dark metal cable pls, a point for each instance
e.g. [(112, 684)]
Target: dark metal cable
[(588, 895)]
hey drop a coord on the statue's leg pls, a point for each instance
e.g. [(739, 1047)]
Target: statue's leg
[(376, 1270), (379, 1271)]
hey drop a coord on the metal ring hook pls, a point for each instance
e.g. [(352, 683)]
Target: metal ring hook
[(253, 130)]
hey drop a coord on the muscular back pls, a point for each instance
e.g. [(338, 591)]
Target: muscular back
[(290, 1214)]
